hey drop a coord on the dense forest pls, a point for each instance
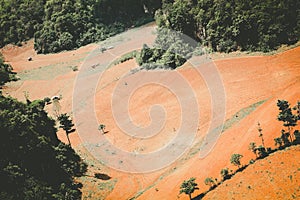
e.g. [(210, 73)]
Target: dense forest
[(58, 25), (222, 25), (229, 25), (34, 164)]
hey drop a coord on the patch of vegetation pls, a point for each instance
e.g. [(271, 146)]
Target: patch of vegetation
[(170, 50), (241, 115), (125, 57)]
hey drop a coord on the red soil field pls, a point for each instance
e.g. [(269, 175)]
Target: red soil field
[(246, 80)]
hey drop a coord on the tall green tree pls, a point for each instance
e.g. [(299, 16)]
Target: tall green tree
[(188, 187), (225, 174), (210, 182), (286, 116), (252, 147), (66, 124), (236, 159)]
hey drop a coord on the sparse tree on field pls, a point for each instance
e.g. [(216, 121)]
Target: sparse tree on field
[(261, 151), (252, 148), (236, 159), (210, 182), (260, 134), (188, 187), (278, 142), (297, 108), (225, 173), (286, 116), (66, 124), (101, 127), (285, 137)]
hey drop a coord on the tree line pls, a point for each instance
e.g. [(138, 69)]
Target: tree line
[(222, 25), (289, 136)]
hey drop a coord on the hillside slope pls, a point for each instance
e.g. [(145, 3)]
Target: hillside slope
[(252, 86), (275, 177)]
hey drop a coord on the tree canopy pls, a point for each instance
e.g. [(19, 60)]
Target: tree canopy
[(231, 25), (58, 25), (34, 163)]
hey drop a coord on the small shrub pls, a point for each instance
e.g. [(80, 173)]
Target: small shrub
[(47, 100), (74, 68)]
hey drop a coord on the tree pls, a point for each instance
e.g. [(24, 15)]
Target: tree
[(278, 142), (188, 187), (285, 137), (210, 181), (252, 148), (236, 159), (101, 127), (225, 174), (66, 124), (286, 116), (297, 109), (261, 151), (297, 136), (260, 134)]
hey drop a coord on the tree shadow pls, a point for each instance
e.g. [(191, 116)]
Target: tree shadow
[(102, 176), (199, 197)]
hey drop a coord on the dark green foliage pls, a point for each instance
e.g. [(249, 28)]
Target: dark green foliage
[(58, 25), (286, 116), (230, 25), (297, 136), (6, 73), (225, 173), (34, 163), (101, 127), (210, 182), (236, 159), (252, 148), (278, 142), (125, 57), (19, 19), (285, 138), (188, 187), (297, 109), (261, 151), (47, 100)]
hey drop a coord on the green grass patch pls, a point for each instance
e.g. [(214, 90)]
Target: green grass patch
[(124, 58), (241, 115)]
